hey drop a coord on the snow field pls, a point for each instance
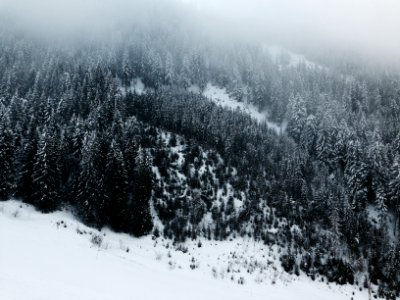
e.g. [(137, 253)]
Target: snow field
[(53, 256)]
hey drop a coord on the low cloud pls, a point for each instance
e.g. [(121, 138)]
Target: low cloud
[(364, 26)]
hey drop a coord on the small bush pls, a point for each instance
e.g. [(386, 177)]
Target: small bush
[(193, 263), (96, 240), (214, 272), (288, 263), (182, 248)]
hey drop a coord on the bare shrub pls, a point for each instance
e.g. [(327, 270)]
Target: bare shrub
[(96, 240)]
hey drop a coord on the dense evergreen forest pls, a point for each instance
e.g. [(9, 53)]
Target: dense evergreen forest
[(168, 161)]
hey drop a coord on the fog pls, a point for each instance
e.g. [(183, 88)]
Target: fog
[(369, 27), (363, 26)]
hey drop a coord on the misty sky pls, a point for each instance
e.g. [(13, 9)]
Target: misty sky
[(368, 26), (362, 25)]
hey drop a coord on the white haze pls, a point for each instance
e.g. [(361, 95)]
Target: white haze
[(363, 26)]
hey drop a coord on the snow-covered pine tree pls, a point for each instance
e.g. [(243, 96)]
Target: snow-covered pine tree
[(46, 171), (356, 175), (394, 187), (142, 192), (297, 115), (382, 207), (7, 155), (92, 199), (116, 186)]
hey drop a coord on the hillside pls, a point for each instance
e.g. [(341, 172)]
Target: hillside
[(159, 123), (54, 256)]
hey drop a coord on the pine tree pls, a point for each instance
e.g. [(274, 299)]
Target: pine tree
[(169, 70), (340, 146), (382, 207), (26, 158), (325, 147), (46, 172), (116, 182), (126, 69), (391, 270), (297, 115), (394, 187), (379, 162), (70, 149), (7, 155), (142, 192), (92, 198), (356, 174), (309, 134), (334, 215)]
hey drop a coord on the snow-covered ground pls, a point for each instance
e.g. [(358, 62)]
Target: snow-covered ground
[(221, 97), (53, 256)]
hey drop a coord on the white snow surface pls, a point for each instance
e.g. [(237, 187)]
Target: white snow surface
[(221, 97), (51, 256)]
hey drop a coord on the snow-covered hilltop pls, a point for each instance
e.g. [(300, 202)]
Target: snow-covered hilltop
[(53, 256)]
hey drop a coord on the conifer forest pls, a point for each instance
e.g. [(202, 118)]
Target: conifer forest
[(122, 133)]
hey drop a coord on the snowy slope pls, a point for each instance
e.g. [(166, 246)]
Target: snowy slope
[(222, 98), (52, 257)]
